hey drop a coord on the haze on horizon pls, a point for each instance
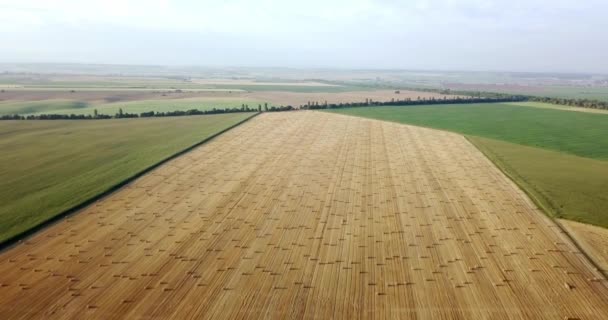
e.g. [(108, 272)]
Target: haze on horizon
[(476, 35)]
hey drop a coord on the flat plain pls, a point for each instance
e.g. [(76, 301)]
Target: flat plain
[(47, 167), (109, 102), (309, 215), (560, 157), (567, 186), (557, 107), (558, 91), (577, 133), (82, 94)]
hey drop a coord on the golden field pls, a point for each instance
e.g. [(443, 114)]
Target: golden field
[(308, 215)]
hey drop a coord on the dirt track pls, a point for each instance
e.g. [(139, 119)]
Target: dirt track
[(303, 215), (593, 239)]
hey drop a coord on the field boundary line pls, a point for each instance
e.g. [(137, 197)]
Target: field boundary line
[(520, 183), (13, 240), (536, 196), (530, 191)]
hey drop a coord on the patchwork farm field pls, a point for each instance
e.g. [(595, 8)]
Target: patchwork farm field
[(82, 94), (560, 157), (47, 167), (578, 133), (566, 92), (567, 186), (112, 108), (108, 102), (308, 215)]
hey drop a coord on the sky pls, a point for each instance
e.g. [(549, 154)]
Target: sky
[(474, 35)]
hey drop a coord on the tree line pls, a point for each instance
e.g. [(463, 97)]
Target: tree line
[(149, 114), (411, 102), (571, 102), (581, 103), (245, 108), (477, 97)]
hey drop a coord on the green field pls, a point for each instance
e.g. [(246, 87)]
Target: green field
[(567, 186), (47, 167), (544, 105), (34, 107), (75, 107), (559, 157), (578, 133), (571, 92)]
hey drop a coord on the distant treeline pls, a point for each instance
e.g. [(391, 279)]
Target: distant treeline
[(474, 97), (265, 108), (582, 103), (411, 102), (149, 114), (468, 93)]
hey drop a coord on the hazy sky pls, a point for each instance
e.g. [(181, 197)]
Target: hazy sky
[(517, 35)]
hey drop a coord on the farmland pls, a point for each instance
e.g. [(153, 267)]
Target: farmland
[(559, 156), (557, 91), (108, 102), (557, 107), (51, 166), (556, 85), (576, 133), (138, 106), (82, 94), (308, 215), (87, 102), (567, 186)]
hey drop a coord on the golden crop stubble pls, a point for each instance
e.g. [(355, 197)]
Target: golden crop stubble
[(308, 214)]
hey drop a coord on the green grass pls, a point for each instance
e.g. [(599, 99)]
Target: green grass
[(545, 105), (559, 157), (75, 107), (160, 106), (577, 133), (48, 167), (567, 186), (47, 106)]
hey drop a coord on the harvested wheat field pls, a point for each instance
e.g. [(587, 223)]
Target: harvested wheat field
[(308, 215)]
